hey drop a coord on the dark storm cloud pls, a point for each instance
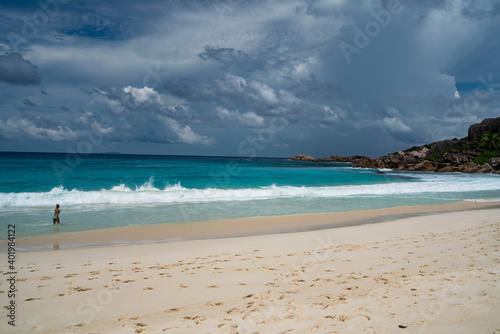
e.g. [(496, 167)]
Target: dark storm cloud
[(224, 55), (188, 89), (312, 87), (213, 72), (481, 10), (141, 115), (15, 70), (28, 103)]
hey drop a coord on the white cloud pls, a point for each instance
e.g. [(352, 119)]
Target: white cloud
[(16, 128), (241, 89), (90, 120), (152, 120), (393, 112), (144, 94), (395, 125), (287, 97), (250, 118), (186, 134), (264, 91), (330, 115)]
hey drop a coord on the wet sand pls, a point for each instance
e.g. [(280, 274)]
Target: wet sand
[(432, 273), (237, 227)]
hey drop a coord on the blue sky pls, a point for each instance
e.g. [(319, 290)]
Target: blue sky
[(253, 78)]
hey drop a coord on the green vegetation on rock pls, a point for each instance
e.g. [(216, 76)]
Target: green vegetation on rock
[(429, 146), (489, 141), (460, 148), (413, 148), (485, 157), (434, 156)]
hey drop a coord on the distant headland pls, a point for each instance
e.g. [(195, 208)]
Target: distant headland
[(476, 153)]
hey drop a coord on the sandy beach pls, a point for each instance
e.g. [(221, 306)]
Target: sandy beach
[(250, 167), (399, 271)]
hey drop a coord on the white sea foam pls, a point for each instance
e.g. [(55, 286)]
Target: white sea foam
[(148, 194)]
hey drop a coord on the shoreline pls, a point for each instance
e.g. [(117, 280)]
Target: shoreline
[(433, 274), (240, 227)]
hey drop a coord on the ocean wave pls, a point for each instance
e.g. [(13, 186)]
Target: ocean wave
[(149, 194)]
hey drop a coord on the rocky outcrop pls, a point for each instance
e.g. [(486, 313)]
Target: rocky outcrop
[(486, 168), (467, 155), (495, 163), (442, 145), (304, 157), (487, 125)]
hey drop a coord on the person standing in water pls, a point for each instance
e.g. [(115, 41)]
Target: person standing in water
[(55, 219)]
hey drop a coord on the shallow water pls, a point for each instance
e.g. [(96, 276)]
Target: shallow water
[(105, 191)]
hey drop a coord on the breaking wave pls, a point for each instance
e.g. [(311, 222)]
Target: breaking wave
[(147, 193)]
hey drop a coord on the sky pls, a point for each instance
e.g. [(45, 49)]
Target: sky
[(245, 77)]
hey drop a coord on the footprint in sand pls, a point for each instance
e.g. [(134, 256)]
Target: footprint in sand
[(183, 286), (79, 289), (45, 278), (212, 287), (165, 275), (139, 326), (30, 299), (148, 288), (233, 310), (172, 310)]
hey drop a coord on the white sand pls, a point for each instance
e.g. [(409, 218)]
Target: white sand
[(434, 274)]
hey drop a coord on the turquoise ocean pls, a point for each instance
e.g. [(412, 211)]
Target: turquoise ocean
[(100, 191)]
